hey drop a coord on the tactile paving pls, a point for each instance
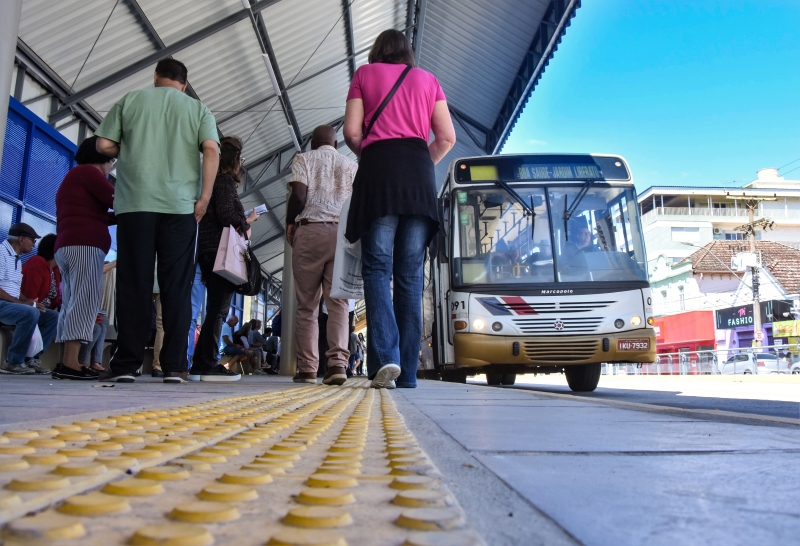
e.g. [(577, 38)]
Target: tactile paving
[(306, 466)]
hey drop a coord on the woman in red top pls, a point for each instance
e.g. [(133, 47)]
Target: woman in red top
[(41, 278), (82, 215), (393, 208)]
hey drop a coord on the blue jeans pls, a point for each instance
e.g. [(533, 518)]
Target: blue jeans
[(25, 318), (394, 246), (93, 351), (198, 293)]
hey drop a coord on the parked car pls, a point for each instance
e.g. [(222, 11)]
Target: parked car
[(794, 368), (754, 363)]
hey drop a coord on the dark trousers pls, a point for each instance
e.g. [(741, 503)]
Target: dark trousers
[(218, 302), (141, 236)]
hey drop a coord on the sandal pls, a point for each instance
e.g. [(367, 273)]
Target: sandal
[(96, 366)]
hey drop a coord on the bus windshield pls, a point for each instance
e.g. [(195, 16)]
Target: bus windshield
[(495, 241)]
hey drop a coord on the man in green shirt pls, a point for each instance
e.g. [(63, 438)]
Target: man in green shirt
[(162, 193)]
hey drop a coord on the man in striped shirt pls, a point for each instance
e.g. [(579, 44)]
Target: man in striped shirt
[(17, 310)]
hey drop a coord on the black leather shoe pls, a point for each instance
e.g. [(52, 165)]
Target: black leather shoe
[(157, 373)]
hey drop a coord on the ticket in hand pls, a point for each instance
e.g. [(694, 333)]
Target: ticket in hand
[(260, 209)]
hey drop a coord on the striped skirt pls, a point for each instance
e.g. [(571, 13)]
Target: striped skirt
[(81, 288)]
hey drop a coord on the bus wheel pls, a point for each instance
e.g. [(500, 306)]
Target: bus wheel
[(494, 378), (508, 379), (584, 377), (455, 376)]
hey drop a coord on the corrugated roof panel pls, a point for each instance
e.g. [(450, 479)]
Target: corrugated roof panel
[(370, 18), (62, 34), (227, 70), (271, 133), (476, 48), (178, 19), (322, 99), (105, 99), (297, 29), (464, 147)]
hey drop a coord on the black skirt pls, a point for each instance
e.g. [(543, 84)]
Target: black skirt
[(395, 176)]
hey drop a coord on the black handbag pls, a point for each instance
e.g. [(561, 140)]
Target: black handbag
[(254, 278)]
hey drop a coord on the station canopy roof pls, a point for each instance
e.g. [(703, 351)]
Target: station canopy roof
[(487, 55)]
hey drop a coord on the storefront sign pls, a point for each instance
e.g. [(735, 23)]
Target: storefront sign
[(736, 317)]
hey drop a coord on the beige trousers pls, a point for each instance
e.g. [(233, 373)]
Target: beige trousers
[(312, 260)]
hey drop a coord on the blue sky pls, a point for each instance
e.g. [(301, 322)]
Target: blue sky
[(690, 93)]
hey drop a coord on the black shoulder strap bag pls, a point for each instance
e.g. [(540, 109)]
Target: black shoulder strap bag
[(386, 101), (254, 279)]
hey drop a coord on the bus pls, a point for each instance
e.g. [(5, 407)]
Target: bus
[(539, 267)]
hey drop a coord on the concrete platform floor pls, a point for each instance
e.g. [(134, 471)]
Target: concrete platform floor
[(532, 467)]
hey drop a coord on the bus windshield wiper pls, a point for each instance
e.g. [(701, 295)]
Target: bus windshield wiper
[(518, 198), (568, 212)]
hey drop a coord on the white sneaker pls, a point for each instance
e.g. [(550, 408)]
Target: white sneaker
[(386, 376)]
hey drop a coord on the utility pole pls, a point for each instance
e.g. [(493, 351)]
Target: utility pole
[(750, 229)]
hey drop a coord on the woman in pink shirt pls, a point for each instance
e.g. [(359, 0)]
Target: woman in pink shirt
[(393, 209)]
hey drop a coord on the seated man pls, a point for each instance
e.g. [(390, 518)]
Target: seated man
[(242, 337), (227, 345), (271, 347), (17, 310)]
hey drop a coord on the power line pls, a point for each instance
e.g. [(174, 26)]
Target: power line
[(798, 159)]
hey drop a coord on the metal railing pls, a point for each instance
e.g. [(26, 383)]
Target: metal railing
[(726, 212), (707, 362)]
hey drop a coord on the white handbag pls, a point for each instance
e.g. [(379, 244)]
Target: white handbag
[(347, 282), (230, 263)]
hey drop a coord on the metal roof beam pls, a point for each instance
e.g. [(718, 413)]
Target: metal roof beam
[(168, 51), (411, 8), (266, 241), (551, 29), (476, 140), (422, 7), (349, 36)]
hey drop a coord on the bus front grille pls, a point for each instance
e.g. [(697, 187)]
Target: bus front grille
[(552, 326), (547, 352)]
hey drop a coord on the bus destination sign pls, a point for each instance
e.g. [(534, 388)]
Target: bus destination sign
[(558, 172)]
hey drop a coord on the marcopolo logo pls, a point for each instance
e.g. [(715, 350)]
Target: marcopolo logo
[(563, 291)]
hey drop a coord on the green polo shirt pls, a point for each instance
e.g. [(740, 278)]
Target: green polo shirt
[(160, 132)]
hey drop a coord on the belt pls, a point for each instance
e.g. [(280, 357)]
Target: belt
[(306, 221)]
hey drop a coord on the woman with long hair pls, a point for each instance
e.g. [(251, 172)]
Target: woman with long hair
[(393, 209), (224, 210)]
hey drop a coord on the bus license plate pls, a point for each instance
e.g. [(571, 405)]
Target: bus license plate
[(633, 344)]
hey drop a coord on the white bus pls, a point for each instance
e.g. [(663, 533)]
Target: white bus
[(539, 267)]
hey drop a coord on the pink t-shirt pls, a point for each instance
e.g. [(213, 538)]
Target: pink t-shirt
[(408, 114)]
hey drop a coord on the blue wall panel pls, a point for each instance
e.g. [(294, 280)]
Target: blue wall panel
[(49, 164), (17, 130)]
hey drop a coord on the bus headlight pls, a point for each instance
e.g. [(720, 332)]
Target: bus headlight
[(619, 323), (636, 320), (478, 324)]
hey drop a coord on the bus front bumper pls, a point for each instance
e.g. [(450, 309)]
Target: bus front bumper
[(479, 350)]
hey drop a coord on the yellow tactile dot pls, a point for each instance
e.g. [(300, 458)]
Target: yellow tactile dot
[(116, 461), (212, 458), (163, 473), (413, 482), (408, 461), (306, 537), (142, 454), (430, 519), (86, 424), (45, 459), (16, 450), (171, 534), (325, 497), (37, 483), (93, 504), (180, 441), (74, 436), (257, 433), (13, 465), (289, 446), (404, 453), (338, 469), (163, 447), (227, 492), (280, 455), (78, 452), (331, 480), (344, 457), (20, 434), (246, 477), (88, 468), (44, 432), (8, 499), (67, 428), (227, 451), (133, 487), (347, 448), (127, 440), (271, 468), (204, 512), (130, 426), (317, 517), (104, 446), (410, 470), (421, 498), (43, 528), (46, 442)]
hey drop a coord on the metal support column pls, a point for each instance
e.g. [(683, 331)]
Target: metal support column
[(288, 315), (9, 27)]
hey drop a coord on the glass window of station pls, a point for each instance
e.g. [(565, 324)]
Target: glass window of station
[(578, 233)]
